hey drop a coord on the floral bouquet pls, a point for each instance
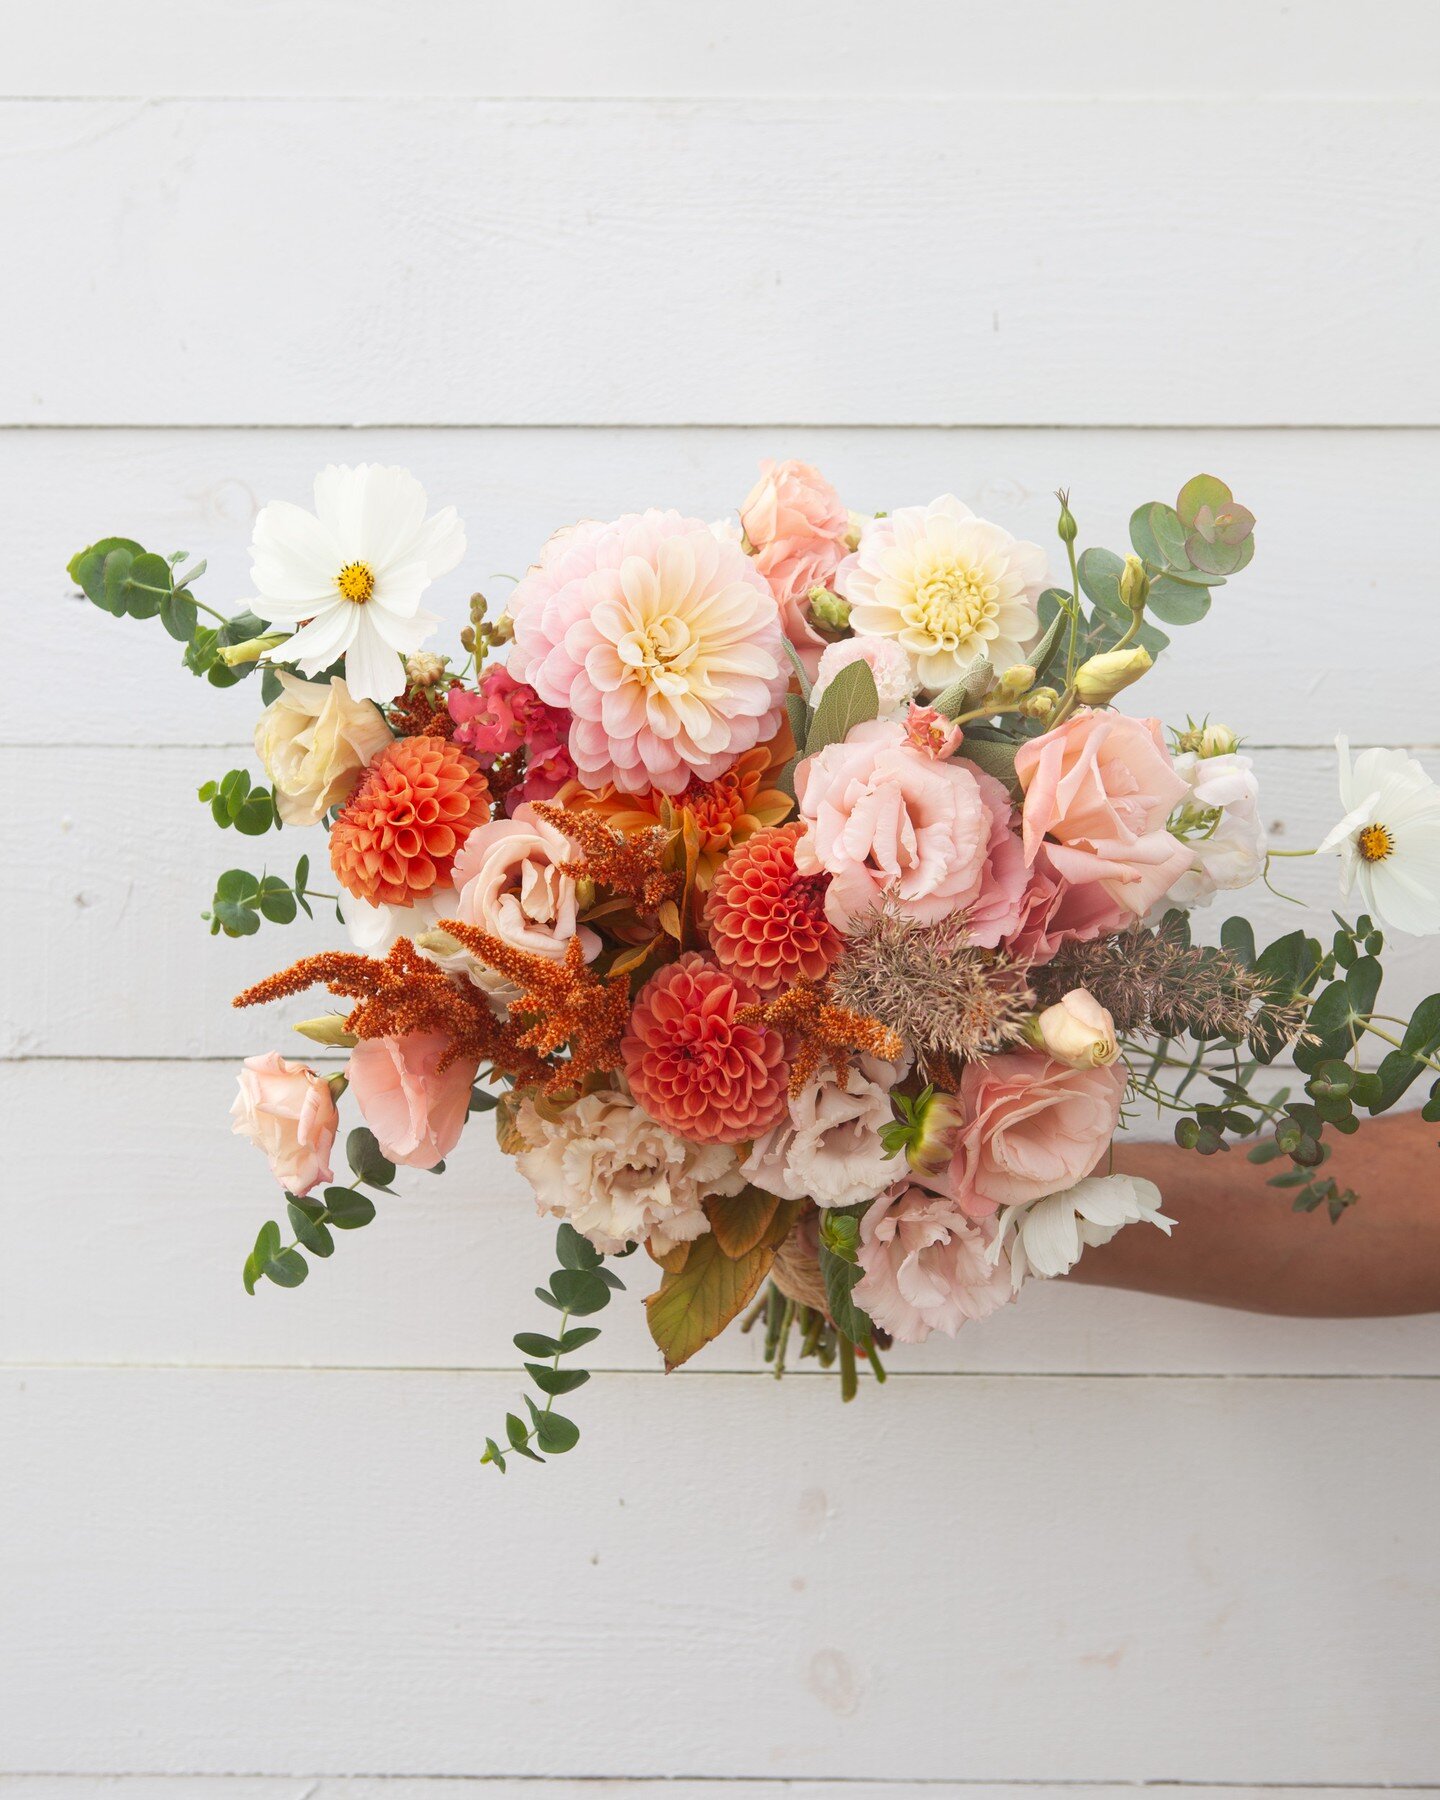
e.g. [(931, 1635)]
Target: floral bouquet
[(790, 894)]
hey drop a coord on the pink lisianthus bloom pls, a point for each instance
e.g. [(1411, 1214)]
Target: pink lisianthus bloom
[(797, 528), (505, 716), (884, 818), (416, 1109), (927, 1267), (662, 639), (1099, 791), (289, 1112), (1032, 1127), (1055, 912)]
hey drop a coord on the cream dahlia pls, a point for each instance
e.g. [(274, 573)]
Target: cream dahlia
[(662, 640), (347, 578), (948, 587)]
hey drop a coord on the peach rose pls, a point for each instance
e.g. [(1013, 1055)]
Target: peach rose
[(796, 528), (884, 818), (416, 1110), (314, 742), (1054, 912), (510, 881), (289, 1111), (1098, 792), (1032, 1127)]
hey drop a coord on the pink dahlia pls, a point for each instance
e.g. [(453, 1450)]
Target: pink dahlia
[(689, 1064), (662, 640)]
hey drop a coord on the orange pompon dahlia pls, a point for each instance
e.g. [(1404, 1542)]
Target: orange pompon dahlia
[(728, 810), (398, 833), (767, 923), (692, 1067)]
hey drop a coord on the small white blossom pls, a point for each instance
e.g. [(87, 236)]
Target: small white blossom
[(1050, 1234), (1220, 823), (1389, 839)]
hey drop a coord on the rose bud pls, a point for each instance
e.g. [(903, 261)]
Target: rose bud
[(1100, 679), (1077, 1031)]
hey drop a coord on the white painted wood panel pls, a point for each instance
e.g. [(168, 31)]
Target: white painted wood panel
[(1333, 627), (109, 955), (585, 1787), (1134, 48), (285, 1572), (1020, 259), (128, 1234)]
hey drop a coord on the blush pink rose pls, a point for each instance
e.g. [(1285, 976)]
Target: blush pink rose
[(416, 1110), (1054, 912), (1098, 792), (797, 528), (289, 1111), (511, 883), (1032, 1127), (926, 1266), (883, 818)]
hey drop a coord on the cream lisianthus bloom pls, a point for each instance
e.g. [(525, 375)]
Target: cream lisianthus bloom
[(619, 1177), (347, 578), (948, 587), (314, 741), (1050, 1234), (1389, 839)]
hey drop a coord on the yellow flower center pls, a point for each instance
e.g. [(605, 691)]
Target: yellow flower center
[(955, 603), (356, 581), (1375, 843)]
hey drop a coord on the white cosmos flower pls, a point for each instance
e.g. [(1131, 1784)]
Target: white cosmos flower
[(948, 587), (1051, 1233), (348, 577), (1389, 839)]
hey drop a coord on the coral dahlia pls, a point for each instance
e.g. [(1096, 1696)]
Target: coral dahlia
[(692, 1067), (663, 641), (767, 922), (399, 832)]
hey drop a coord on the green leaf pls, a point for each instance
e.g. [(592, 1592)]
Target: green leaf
[(533, 1343), (995, 757), (850, 700), (1400, 1068), (798, 714), (1100, 572), (315, 1237), (1043, 653), (1237, 935), (1178, 602), (518, 1434), (556, 1381), (346, 1210), (286, 1268), (178, 615), (554, 1434), (1362, 983), (367, 1163), (276, 901), (1157, 535), (256, 817), (148, 582), (87, 569), (696, 1303), (576, 1337), (574, 1251), (579, 1291), (1201, 491), (840, 1278)]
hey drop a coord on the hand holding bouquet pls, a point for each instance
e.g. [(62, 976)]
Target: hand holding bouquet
[(790, 893)]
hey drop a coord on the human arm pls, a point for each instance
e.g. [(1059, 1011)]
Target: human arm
[(1238, 1243)]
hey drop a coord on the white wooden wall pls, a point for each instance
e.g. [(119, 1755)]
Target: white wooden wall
[(568, 259)]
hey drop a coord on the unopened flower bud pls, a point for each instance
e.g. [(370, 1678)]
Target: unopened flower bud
[(1077, 1031), (337, 1085), (1134, 584), (479, 606), (584, 893), (828, 609), (1216, 740), (424, 669), (933, 1127), (328, 1029), (1015, 680), (1066, 526), (467, 639), (234, 656), (858, 522), (1039, 703), (1099, 679), (501, 631)]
